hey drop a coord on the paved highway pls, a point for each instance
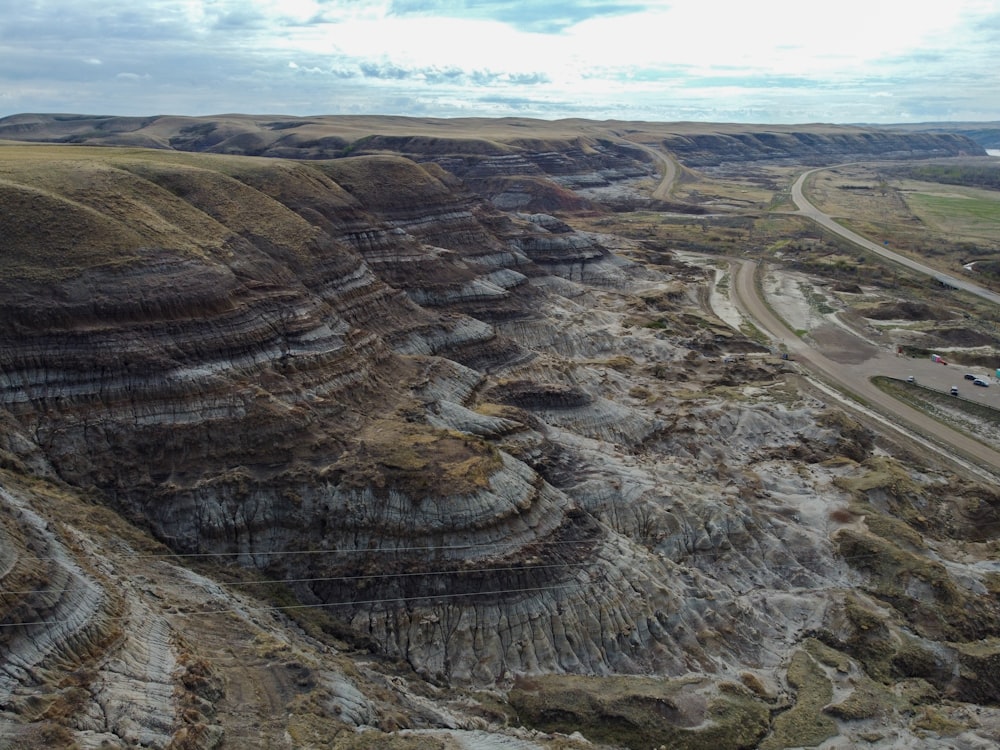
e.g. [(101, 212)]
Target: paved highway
[(855, 379), (808, 209)]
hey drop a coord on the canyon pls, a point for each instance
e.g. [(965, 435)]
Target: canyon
[(351, 432)]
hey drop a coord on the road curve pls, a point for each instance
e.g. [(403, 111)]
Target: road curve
[(662, 191), (854, 379), (809, 210)]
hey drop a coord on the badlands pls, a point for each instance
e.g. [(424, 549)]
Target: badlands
[(386, 433)]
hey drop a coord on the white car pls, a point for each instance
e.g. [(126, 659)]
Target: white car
[(980, 382)]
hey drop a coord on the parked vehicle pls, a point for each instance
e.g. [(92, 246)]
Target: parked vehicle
[(969, 376), (980, 382)]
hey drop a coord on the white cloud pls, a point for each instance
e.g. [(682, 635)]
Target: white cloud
[(604, 58)]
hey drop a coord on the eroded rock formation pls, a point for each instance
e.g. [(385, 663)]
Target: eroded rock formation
[(369, 402)]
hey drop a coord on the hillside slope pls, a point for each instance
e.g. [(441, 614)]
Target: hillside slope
[(310, 453)]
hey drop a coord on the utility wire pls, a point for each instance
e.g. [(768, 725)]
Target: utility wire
[(364, 551), (318, 605), (428, 573), (713, 554), (388, 576)]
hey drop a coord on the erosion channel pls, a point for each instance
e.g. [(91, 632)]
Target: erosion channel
[(367, 433)]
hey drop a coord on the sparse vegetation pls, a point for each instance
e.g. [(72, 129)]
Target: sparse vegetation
[(626, 475), (804, 724), (978, 420), (638, 713), (953, 174), (908, 209)]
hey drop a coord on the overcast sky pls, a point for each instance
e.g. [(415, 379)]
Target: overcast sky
[(791, 61)]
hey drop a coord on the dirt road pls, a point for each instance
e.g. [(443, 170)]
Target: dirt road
[(663, 190), (855, 379)]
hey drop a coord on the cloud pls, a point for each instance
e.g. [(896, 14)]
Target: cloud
[(244, 18), (682, 59), (318, 71), (385, 71), (526, 15), (525, 79)]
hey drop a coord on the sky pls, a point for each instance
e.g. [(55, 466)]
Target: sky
[(768, 61)]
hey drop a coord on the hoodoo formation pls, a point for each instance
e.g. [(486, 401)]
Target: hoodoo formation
[(372, 444)]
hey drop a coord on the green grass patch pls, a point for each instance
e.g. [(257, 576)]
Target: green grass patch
[(638, 712), (804, 724), (752, 332), (918, 588), (868, 701), (936, 721), (941, 209), (968, 207)]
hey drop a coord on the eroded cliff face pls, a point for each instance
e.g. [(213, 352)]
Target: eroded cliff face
[(519, 164), (361, 398), (804, 147)]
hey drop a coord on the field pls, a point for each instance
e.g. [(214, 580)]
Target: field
[(961, 214), (945, 225)]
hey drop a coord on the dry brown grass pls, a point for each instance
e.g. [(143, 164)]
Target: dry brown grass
[(638, 712), (804, 724), (420, 460), (158, 130), (384, 181), (72, 208), (921, 219)]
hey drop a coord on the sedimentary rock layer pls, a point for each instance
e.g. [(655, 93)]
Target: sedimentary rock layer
[(373, 439), (249, 368)]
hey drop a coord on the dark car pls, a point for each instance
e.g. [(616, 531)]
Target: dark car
[(969, 376)]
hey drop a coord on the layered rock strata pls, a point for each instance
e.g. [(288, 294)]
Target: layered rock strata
[(261, 390), (439, 432), (519, 164)]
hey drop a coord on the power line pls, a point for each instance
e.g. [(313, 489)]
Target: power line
[(366, 602), (385, 576), (468, 571), (695, 553), (283, 608), (356, 551)]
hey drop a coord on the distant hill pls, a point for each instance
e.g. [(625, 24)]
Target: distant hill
[(474, 141), (986, 134)]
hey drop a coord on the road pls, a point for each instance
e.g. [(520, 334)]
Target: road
[(808, 209), (855, 379), (662, 191)]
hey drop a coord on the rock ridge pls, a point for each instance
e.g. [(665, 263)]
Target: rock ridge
[(336, 453)]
